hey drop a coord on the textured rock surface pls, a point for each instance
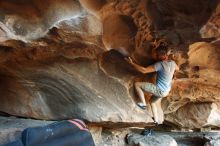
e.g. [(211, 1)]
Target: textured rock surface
[(79, 86), (213, 143), (157, 140), (56, 61), (26, 20), (196, 115), (118, 33)]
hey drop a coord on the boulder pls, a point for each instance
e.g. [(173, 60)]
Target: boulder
[(213, 143), (154, 140), (195, 115)]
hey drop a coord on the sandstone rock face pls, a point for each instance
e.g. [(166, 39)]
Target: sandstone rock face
[(80, 88), (195, 115), (194, 103), (64, 59), (118, 33), (27, 20), (93, 6)]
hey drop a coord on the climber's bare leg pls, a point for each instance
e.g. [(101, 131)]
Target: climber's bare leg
[(140, 92), (154, 104)]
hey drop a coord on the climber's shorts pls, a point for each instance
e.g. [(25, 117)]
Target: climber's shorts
[(153, 89)]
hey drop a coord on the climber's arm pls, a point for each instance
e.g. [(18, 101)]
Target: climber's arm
[(141, 69)]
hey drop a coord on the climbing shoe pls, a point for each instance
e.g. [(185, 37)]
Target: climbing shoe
[(141, 105)]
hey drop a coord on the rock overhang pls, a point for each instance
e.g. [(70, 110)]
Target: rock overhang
[(71, 56)]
